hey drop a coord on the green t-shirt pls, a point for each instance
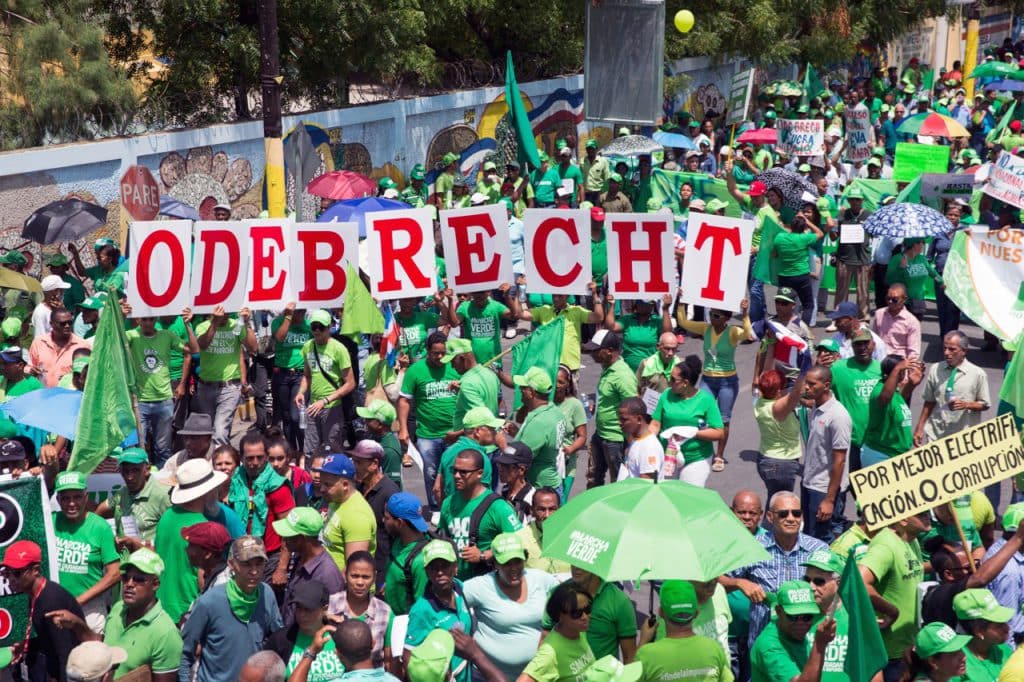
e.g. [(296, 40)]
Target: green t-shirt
[(177, 327), (988, 669), (543, 431), (675, 410), (599, 256), (446, 465), (696, 659), (852, 384), (392, 464), (151, 640), (152, 357), (325, 668), (413, 332), (775, 657), (575, 317), (791, 250), (482, 326), (835, 654), (639, 341), (179, 583), (855, 538), (477, 387), (456, 512), (430, 389), (544, 185), (396, 592), (915, 276), (221, 359), (560, 659), (74, 295), (326, 365), (898, 570), (350, 521), (26, 385), (288, 353), (612, 618), (571, 172), (443, 183), (616, 384), (890, 427), (83, 551)]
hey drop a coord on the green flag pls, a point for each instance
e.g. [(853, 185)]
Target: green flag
[(766, 266), (517, 118), (360, 315), (865, 652), (996, 133), (928, 81), (106, 416), (812, 84), (1011, 395), (542, 348)]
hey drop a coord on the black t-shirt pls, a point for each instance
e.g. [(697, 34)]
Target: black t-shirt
[(48, 650), (937, 604), (377, 497)]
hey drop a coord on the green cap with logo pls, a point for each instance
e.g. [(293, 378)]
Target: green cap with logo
[(449, 158), (133, 456), (145, 560), (797, 598), (980, 604), (79, 364), (535, 378), (939, 638), (1013, 516), (321, 316), (678, 600), (418, 172), (481, 416), (456, 346), (611, 669), (429, 662), (438, 549), (379, 409), (508, 546), (715, 205), (300, 521), (93, 302), (11, 327), (57, 260), (826, 560), (831, 345), (70, 480)]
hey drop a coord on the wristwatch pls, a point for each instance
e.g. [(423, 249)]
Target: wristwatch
[(310, 654)]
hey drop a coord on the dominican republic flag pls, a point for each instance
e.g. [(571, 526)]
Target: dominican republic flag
[(389, 342), (790, 348)]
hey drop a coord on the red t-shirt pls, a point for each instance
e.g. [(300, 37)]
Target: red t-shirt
[(279, 503)]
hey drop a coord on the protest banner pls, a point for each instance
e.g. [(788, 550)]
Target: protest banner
[(24, 515), (913, 160), (984, 277), (158, 282), (1005, 180), (402, 248), (860, 134), (220, 265), (317, 259), (739, 96), (477, 240), (717, 245), (938, 472), (557, 251), (938, 187), (801, 137), (641, 258)]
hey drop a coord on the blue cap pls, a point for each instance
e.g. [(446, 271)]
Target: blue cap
[(338, 465), (406, 506), (845, 309)]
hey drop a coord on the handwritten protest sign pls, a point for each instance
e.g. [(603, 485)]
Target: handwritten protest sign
[(801, 137), (739, 96), (913, 160), (860, 134), (938, 472), (984, 277), (940, 187), (641, 260), (1005, 180), (716, 263)]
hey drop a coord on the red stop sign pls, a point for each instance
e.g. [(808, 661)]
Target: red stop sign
[(140, 194)]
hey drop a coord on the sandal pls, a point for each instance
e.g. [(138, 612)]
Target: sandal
[(718, 464)]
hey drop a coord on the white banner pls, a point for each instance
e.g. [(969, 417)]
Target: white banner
[(641, 260), (717, 260), (942, 186), (478, 255), (801, 137), (860, 134), (160, 267), (984, 276), (317, 263), (403, 242), (557, 251), (1005, 180), (220, 265)]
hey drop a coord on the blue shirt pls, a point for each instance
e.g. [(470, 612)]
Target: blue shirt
[(780, 567), (1008, 587), (227, 517), (516, 232)]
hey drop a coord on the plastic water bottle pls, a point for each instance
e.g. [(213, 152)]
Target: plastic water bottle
[(668, 467), (302, 417)]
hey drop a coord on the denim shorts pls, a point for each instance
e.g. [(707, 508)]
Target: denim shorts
[(724, 389)]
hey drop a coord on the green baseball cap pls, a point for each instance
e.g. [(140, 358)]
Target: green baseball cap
[(300, 521), (14, 258), (678, 600), (379, 409), (591, 144), (939, 638), (418, 172), (826, 559), (535, 378), (321, 316), (93, 302), (11, 327), (831, 345), (980, 604), (146, 560), (1013, 516), (615, 177), (542, 155), (770, 115), (133, 456), (70, 480), (385, 183), (438, 549), (429, 662), (57, 259), (855, 193), (456, 346), (489, 166), (103, 241), (508, 546), (78, 364), (611, 669), (796, 598), (449, 158), (481, 416), (715, 205)]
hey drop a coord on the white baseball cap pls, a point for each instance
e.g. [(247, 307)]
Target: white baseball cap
[(53, 283), (90, 661)]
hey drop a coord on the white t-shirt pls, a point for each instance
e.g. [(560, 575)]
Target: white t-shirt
[(644, 456)]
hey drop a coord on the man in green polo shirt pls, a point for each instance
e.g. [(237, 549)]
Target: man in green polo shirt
[(543, 430), (596, 171), (612, 619), (478, 385), (617, 382), (780, 653), (545, 180), (137, 506)]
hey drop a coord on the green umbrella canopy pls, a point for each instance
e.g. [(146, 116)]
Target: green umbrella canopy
[(639, 530), (994, 70), (783, 88)]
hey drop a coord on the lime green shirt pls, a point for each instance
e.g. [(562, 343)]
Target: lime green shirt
[(151, 640), (855, 538), (832, 670), (890, 428), (413, 333), (617, 383), (560, 659), (482, 326), (775, 657), (179, 583), (695, 659), (326, 365), (898, 570), (152, 357), (791, 250), (639, 339), (543, 431), (434, 398), (221, 360), (288, 353), (852, 384), (477, 387), (350, 521), (599, 256), (986, 670)]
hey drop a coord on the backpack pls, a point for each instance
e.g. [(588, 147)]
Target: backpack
[(407, 564)]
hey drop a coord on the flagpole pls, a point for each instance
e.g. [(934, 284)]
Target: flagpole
[(963, 538)]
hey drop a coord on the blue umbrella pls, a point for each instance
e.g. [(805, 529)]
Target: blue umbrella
[(1008, 85), (355, 210), (907, 221), (673, 140), (172, 208), (54, 410)]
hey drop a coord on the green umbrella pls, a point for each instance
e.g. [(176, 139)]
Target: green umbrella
[(639, 530), (994, 69), (783, 88)]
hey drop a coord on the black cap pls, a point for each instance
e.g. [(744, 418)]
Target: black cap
[(12, 451), (603, 339), (310, 594), (515, 453)]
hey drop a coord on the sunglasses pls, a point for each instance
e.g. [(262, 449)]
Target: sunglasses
[(317, 327), (802, 618), (893, 299), (716, 316), (135, 578), (817, 582), (786, 513), (464, 472), (579, 612), (65, 323)]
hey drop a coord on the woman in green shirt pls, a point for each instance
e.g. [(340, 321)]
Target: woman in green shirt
[(290, 333), (576, 418), (912, 270), (938, 655), (640, 329), (778, 456), (790, 250), (564, 653), (890, 422)]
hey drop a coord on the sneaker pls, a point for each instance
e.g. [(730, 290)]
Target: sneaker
[(832, 328), (511, 332)]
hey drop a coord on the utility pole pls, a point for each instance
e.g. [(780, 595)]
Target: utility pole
[(270, 86)]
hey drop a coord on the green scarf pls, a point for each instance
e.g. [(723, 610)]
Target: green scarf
[(654, 365), (242, 604), (253, 510)]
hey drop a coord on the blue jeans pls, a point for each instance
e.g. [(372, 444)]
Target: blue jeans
[(605, 458), (155, 422), (757, 302), (826, 531), (724, 389), (430, 450), (777, 474)]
